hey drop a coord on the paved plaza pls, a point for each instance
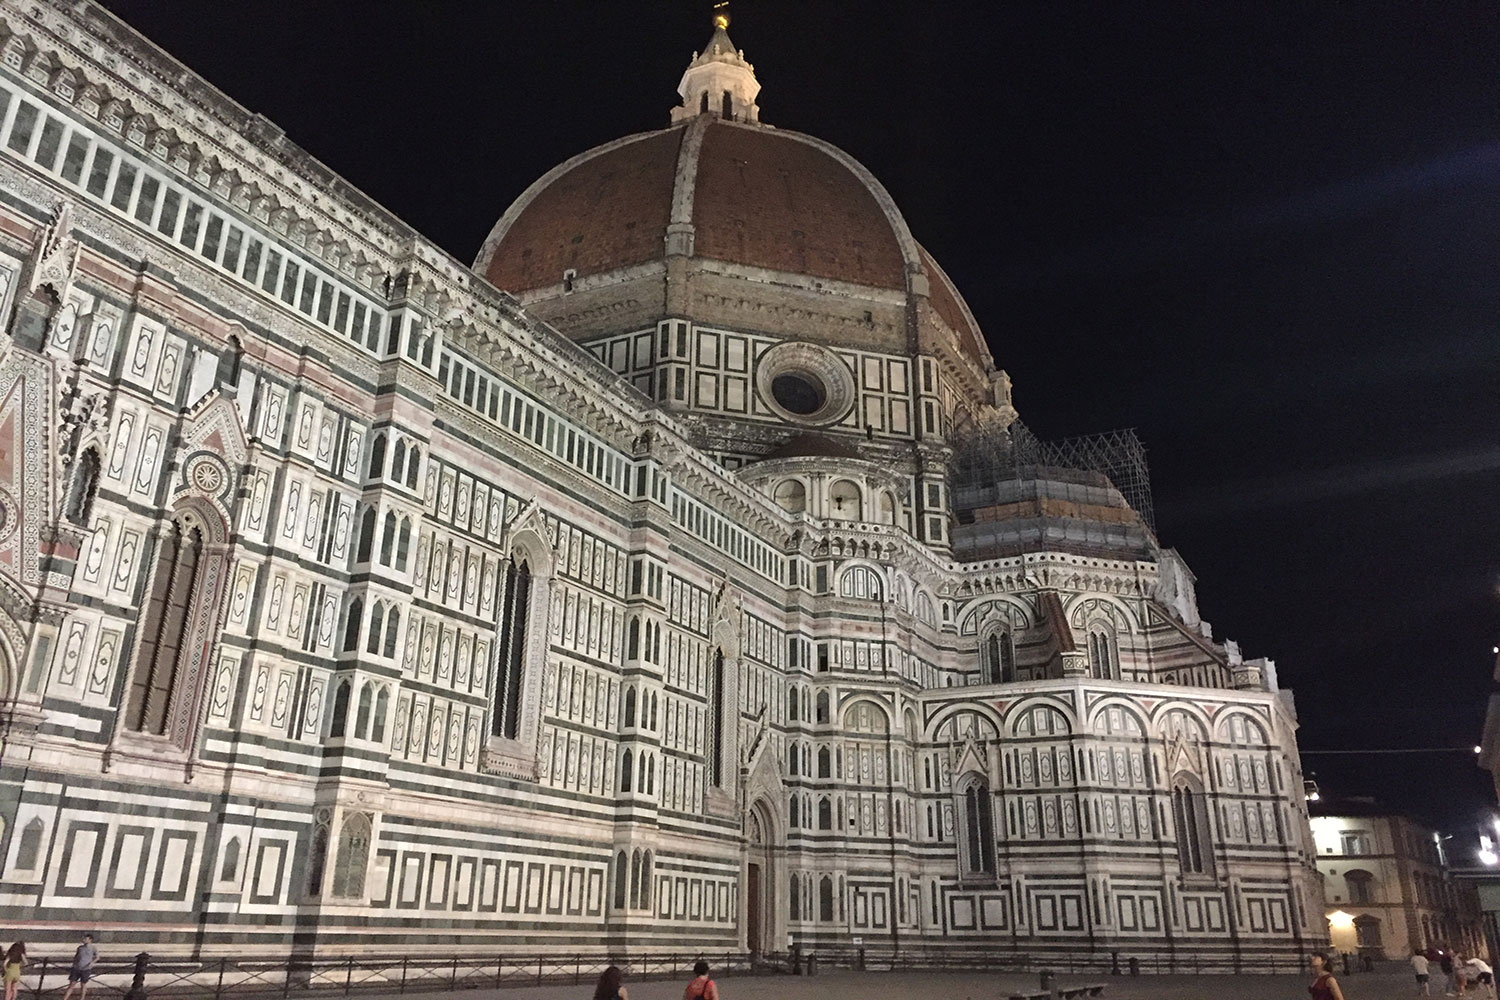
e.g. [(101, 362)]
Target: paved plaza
[(1395, 984)]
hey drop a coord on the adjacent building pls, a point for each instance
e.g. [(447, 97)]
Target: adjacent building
[(1388, 884), (679, 572)]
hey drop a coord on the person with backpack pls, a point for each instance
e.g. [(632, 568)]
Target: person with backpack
[(701, 988)]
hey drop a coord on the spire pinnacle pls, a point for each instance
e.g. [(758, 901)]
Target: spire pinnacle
[(719, 80)]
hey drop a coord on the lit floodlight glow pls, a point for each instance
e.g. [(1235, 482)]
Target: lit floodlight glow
[(1488, 856), (1314, 797), (1477, 749), (1338, 918)]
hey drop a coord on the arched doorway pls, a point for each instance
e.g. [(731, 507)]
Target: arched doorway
[(760, 880)]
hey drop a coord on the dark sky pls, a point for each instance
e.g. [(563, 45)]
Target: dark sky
[(1263, 234)]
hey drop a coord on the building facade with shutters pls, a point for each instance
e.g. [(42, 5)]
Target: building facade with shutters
[(678, 572)]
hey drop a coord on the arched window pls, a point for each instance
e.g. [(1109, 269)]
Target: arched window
[(825, 898), (635, 880), (703, 103), (998, 662), (825, 814), (362, 716), (648, 761), (352, 623), (83, 488), (825, 763), (388, 539), (1101, 652), (317, 858), (793, 819), (622, 874), (633, 639), (1194, 849), (382, 706), (978, 827), (398, 459), (728, 106), (716, 722), (627, 769), (823, 709), (392, 623), (646, 867), (629, 707), (791, 705), (411, 469), (228, 373), (1361, 886), (791, 495), (352, 858), (29, 850), (230, 867), (377, 620), (403, 544), (652, 727), (340, 714), (162, 627), (377, 457), (366, 535), (791, 760), (512, 660), (794, 898)]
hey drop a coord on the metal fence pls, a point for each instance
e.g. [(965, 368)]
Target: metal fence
[(162, 975)]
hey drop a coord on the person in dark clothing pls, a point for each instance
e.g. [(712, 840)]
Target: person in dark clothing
[(609, 987)]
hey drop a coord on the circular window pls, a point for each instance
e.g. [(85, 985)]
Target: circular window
[(804, 384), (799, 393)]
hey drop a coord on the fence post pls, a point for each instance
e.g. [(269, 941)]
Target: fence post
[(453, 979), (138, 979), (404, 960), (219, 989), (577, 969), (41, 978), (499, 966), (539, 971), (348, 972), (286, 980)]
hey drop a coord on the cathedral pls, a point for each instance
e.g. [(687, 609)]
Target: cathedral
[(677, 575)]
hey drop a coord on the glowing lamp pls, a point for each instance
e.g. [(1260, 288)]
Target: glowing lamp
[(1338, 918), (1488, 856)]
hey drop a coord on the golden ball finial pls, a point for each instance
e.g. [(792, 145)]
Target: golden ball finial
[(721, 14)]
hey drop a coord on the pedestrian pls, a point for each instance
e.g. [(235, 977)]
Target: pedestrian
[(1477, 970), (1445, 962), (609, 987), (1324, 986), (1419, 966), (83, 968), (701, 988), (15, 960)]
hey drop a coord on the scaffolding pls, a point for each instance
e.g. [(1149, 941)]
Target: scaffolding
[(1118, 455)]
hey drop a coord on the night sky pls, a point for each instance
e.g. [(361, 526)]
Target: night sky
[(1262, 234)]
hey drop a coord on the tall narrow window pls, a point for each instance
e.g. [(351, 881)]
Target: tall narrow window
[(362, 715), (1101, 653), (825, 898), (382, 706), (716, 722), (351, 625), (507, 717), (728, 109), (352, 858), (377, 457), (84, 486), (231, 865), (340, 711), (703, 103), (979, 829), (392, 623), (366, 535), (646, 880), (377, 621), (29, 851), (627, 770), (162, 627), (403, 544), (621, 874), (629, 707), (388, 539), (1194, 853)]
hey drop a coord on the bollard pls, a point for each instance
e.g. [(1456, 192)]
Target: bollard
[(796, 956), (812, 965), (1135, 966), (1114, 963), (138, 979), (859, 960)]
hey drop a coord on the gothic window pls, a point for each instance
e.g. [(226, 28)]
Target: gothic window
[(366, 535), (825, 765), (398, 459), (795, 898), (340, 713), (377, 457), (646, 867), (792, 813), (29, 850), (1101, 649), (83, 487), (1194, 850), (633, 639), (352, 858), (635, 880), (518, 584), (728, 106), (621, 877), (978, 827), (791, 760), (403, 544), (999, 666), (1360, 884), (825, 814), (791, 705), (652, 727), (823, 710), (377, 619), (716, 722), (825, 898), (317, 858), (33, 318), (382, 706), (411, 470), (629, 707), (703, 103), (362, 715), (352, 623), (626, 768), (388, 539), (392, 622), (162, 628), (230, 867)]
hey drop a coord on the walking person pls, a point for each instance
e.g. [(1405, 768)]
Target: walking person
[(83, 968), (1445, 962), (15, 961), (609, 987), (1477, 970), (1419, 966), (1323, 986), (701, 988)]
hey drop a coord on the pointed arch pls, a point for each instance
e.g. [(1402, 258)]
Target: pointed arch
[(392, 625), (354, 617), (377, 457), (340, 715), (352, 857), (403, 545), (83, 487), (382, 709), (362, 714)]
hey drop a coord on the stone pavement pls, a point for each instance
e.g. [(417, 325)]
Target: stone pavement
[(845, 985)]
